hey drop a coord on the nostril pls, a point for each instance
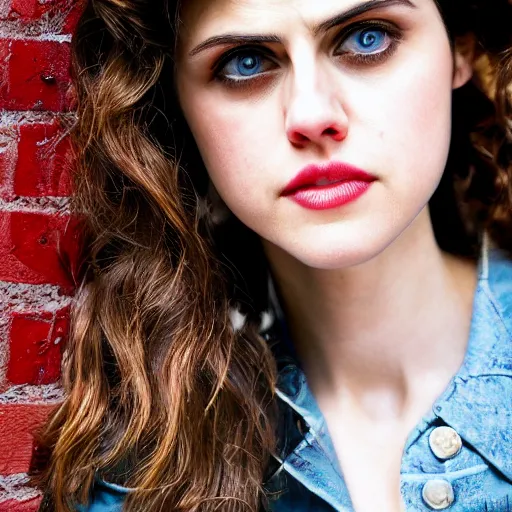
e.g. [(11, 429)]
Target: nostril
[(335, 133), (330, 131), (298, 137), (316, 132)]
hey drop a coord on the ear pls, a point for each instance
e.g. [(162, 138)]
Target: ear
[(464, 58)]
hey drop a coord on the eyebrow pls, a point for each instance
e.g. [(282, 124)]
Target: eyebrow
[(339, 19), (358, 10)]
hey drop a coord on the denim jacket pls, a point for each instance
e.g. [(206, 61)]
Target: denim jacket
[(457, 458)]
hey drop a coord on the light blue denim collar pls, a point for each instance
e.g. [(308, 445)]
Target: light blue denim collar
[(477, 402)]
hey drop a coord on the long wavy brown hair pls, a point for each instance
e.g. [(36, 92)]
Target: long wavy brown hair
[(163, 394)]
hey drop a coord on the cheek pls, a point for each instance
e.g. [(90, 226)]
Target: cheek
[(235, 141), (412, 117), (428, 133)]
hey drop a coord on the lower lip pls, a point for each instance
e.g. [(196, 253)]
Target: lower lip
[(330, 196)]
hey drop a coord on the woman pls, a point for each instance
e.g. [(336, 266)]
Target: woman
[(297, 295)]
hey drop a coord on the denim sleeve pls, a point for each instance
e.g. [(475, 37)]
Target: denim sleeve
[(105, 497)]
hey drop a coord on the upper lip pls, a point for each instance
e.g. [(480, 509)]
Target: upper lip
[(331, 172)]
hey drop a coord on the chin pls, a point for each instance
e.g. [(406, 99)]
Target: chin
[(335, 259), (347, 244), (344, 253)]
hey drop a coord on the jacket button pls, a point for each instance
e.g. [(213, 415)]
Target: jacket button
[(438, 494), (444, 442)]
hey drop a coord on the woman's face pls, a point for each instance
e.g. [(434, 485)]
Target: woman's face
[(271, 88)]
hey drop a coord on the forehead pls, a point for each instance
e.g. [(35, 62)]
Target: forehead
[(200, 10), (203, 18)]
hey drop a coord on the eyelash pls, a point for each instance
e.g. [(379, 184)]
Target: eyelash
[(391, 31), (230, 55)]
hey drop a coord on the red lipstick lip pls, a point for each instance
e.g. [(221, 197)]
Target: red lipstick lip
[(331, 173), (323, 187)]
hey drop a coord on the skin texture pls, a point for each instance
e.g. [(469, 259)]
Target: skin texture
[(391, 119), (378, 314)]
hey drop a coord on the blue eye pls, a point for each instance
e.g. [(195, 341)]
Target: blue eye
[(244, 65), (366, 41)]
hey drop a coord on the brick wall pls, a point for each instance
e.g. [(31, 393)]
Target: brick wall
[(37, 239)]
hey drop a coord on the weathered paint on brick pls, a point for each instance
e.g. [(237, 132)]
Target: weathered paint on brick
[(30, 10), (43, 161), (38, 242), (17, 425), (8, 159), (36, 343), (37, 248), (20, 506), (36, 75), (63, 13)]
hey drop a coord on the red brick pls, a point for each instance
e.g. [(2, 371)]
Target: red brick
[(35, 75), (5, 54), (8, 159), (36, 343), (44, 158), (64, 12), (17, 425), (28, 10), (73, 16), (20, 506), (38, 249)]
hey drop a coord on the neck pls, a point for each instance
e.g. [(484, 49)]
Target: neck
[(381, 327)]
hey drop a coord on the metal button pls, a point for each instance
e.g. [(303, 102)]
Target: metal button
[(438, 494), (444, 442)]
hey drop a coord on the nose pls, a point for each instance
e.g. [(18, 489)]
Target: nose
[(317, 132), (315, 113)]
